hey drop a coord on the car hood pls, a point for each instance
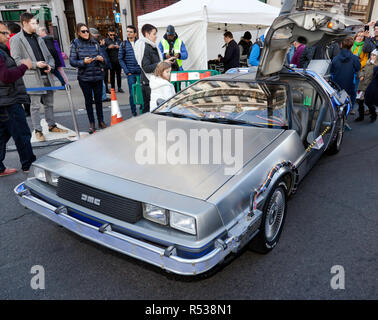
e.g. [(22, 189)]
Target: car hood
[(121, 150), (315, 27)]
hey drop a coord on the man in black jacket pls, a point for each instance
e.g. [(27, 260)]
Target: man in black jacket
[(232, 55), (12, 116), (112, 44), (148, 57)]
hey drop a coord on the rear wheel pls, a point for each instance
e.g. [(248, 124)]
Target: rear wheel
[(273, 219)]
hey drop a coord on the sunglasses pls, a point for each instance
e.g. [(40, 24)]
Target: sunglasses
[(84, 31), (5, 33)]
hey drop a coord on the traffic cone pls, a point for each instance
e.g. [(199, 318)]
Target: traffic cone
[(116, 112)]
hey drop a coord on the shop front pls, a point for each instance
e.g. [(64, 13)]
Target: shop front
[(100, 15)]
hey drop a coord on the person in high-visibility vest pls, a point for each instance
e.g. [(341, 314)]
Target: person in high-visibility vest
[(172, 46)]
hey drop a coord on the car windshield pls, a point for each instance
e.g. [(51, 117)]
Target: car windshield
[(236, 102)]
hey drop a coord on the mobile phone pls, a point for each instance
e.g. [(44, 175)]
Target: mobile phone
[(366, 28)]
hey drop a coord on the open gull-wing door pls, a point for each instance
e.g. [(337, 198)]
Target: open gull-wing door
[(314, 26)]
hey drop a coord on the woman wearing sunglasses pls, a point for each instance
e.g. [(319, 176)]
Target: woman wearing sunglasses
[(86, 55)]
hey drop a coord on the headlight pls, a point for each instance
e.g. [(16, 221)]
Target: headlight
[(40, 174), (155, 214), (53, 179), (183, 222), (46, 176)]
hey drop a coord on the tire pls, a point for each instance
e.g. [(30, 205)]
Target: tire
[(273, 219), (336, 144)]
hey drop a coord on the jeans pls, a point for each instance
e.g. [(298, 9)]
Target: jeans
[(57, 74), (47, 100), (13, 124), (95, 88), (131, 79)]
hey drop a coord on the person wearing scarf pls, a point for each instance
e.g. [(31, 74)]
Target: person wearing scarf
[(359, 41), (148, 57)]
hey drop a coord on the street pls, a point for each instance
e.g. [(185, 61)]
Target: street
[(332, 221)]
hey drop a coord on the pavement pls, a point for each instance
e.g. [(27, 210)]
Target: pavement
[(60, 97)]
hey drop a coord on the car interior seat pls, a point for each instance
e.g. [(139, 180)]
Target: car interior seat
[(301, 111)]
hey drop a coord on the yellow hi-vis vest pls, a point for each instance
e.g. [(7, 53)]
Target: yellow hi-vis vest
[(176, 48)]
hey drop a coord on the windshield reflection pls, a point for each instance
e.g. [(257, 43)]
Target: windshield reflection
[(261, 104)]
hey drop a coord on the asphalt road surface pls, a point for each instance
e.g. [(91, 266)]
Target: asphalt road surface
[(332, 221)]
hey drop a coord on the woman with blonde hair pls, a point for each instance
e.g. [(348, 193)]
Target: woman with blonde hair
[(161, 87)]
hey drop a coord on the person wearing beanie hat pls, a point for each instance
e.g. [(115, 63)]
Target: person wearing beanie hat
[(245, 46), (172, 46)]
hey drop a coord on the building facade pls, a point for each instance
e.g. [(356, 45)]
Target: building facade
[(61, 16)]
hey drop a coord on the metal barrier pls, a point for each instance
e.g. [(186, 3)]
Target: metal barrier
[(67, 88), (177, 79)]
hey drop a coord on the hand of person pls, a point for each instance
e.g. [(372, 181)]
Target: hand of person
[(362, 78), (27, 62), (41, 64), (371, 24), (111, 46), (129, 74), (48, 69), (100, 58), (88, 60)]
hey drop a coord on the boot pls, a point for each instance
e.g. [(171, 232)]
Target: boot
[(102, 125), (360, 110), (92, 128)]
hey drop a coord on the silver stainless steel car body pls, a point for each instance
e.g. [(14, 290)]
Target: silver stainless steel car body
[(220, 204)]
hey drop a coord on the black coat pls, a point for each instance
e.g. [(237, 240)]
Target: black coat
[(150, 60), (87, 48), (51, 46), (371, 93), (232, 56)]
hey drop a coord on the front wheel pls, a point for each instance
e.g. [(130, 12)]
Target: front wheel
[(336, 144), (273, 219)]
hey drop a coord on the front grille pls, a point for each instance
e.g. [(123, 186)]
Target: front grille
[(117, 207)]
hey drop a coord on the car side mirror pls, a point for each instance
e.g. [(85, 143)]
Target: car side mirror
[(159, 102)]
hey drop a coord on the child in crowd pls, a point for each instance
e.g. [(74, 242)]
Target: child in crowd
[(161, 87), (366, 76)]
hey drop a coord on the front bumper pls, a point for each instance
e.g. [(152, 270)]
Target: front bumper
[(158, 256)]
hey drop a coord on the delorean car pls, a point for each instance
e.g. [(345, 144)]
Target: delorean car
[(189, 217)]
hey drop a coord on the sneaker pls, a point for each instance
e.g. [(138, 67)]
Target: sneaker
[(8, 172), (57, 130), (39, 135), (92, 128), (120, 90)]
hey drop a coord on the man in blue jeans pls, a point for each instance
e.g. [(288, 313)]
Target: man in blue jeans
[(129, 64), (12, 116)]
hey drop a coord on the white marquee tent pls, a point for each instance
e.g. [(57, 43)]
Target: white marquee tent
[(201, 24)]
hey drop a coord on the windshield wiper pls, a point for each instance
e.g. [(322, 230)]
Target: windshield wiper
[(178, 115), (231, 121)]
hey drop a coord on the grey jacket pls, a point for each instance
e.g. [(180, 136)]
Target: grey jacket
[(21, 49)]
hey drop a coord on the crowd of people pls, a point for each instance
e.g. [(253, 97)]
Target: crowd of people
[(29, 58), (353, 62)]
